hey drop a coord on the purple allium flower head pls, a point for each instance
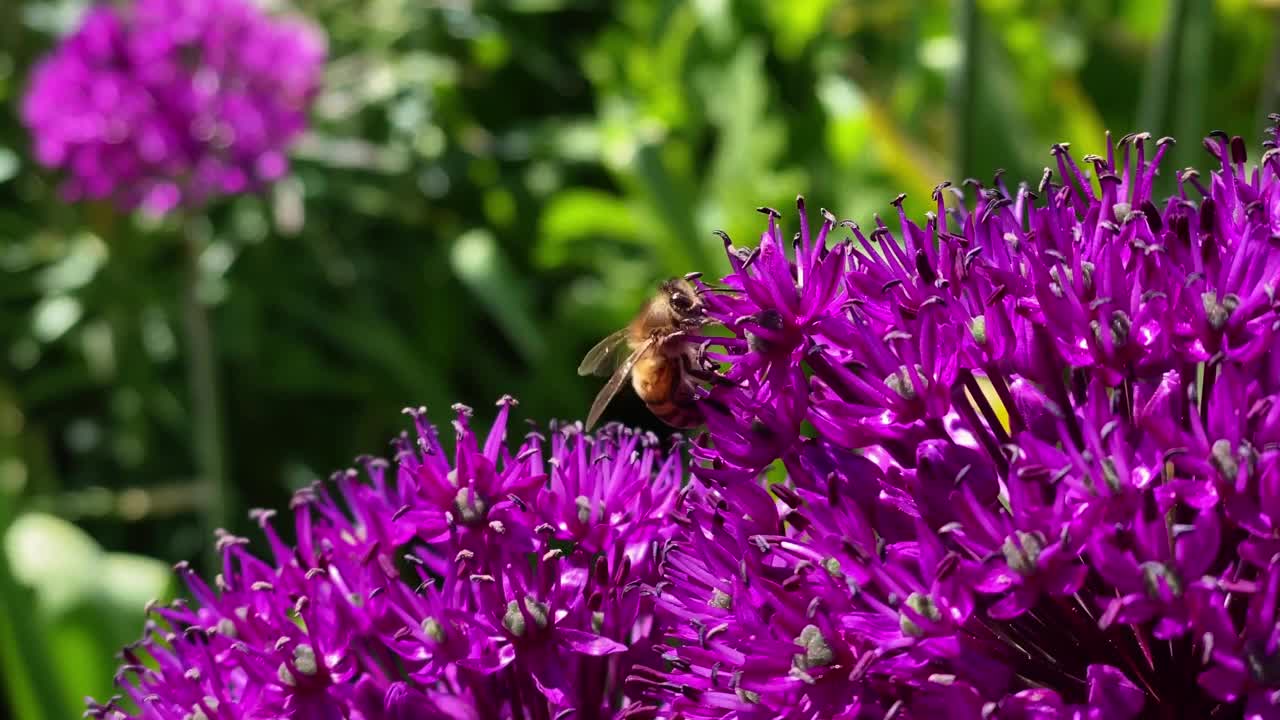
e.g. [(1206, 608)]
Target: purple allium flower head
[(1032, 471), (1033, 459), (166, 103), (433, 587)]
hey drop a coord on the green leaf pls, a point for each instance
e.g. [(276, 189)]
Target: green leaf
[(481, 266), (577, 217), (795, 24), (128, 582), (750, 166), (660, 188), (9, 164), (55, 558), (776, 473), (87, 602), (31, 684)]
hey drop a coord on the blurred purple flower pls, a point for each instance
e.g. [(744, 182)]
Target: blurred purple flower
[(437, 588), (161, 104), (1033, 458)]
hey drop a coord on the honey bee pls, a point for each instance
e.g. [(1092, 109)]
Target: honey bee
[(663, 365)]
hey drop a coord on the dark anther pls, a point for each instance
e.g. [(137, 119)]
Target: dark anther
[(770, 319), (946, 566), (798, 521), (971, 254), (761, 429), (786, 495), (926, 271), (1238, 153), (997, 294), (1207, 216), (1153, 216), (995, 205)]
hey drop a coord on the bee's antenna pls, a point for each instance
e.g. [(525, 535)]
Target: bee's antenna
[(709, 289), (692, 276)]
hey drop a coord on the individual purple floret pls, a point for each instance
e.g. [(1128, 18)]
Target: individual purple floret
[(162, 104), (1033, 459), (484, 583)]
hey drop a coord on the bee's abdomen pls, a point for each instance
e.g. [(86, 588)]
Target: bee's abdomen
[(655, 379), (679, 415), (661, 384)]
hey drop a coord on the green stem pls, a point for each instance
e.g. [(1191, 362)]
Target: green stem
[(1193, 81), (203, 380), (1162, 72), (1269, 97), (969, 24), (30, 681)]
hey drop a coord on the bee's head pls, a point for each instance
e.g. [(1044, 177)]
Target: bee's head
[(682, 297)]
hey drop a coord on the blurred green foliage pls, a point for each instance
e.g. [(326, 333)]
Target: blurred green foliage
[(487, 189)]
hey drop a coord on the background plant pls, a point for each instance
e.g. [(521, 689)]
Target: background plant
[(486, 189)]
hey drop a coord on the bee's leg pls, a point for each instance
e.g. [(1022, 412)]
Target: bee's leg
[(672, 340), (704, 361), (702, 373)]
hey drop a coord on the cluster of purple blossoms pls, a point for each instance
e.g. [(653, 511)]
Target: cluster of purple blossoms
[(495, 586), (1032, 451), (1032, 472), (166, 103)]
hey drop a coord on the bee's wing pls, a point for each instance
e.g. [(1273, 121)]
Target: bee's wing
[(600, 360), (615, 383)]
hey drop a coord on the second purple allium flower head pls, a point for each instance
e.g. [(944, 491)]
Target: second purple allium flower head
[(481, 583), (1033, 459), (166, 103)]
